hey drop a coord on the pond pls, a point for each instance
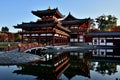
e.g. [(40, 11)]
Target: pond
[(99, 64)]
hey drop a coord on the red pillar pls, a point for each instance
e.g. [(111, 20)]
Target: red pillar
[(30, 38), (59, 40), (78, 36), (66, 41), (39, 39), (53, 40)]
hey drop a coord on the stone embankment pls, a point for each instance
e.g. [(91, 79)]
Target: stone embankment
[(14, 57)]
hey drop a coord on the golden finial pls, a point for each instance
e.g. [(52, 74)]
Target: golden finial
[(49, 8)]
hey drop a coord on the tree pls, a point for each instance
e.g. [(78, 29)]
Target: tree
[(5, 29), (106, 22)]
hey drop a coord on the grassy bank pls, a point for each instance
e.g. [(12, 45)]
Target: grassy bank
[(5, 44)]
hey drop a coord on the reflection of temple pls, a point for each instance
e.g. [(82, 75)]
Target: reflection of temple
[(78, 66), (104, 54), (47, 70), (104, 61), (42, 73)]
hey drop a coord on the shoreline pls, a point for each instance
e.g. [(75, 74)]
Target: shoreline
[(14, 57), (77, 48)]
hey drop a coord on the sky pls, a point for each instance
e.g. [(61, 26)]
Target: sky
[(13, 12)]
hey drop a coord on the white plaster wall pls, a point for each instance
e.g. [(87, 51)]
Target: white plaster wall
[(95, 43), (104, 41), (109, 43)]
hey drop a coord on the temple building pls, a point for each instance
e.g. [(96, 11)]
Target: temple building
[(49, 30), (103, 38), (78, 28)]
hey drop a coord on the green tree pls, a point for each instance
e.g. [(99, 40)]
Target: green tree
[(106, 68), (106, 22), (5, 29)]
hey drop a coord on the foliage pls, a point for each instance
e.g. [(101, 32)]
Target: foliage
[(5, 44), (92, 24), (106, 68), (17, 37), (5, 29), (106, 22)]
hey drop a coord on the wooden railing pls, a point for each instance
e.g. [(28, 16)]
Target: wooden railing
[(22, 47), (9, 48)]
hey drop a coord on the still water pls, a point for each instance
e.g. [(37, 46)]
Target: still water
[(99, 64)]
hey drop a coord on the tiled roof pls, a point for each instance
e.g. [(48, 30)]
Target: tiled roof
[(70, 17), (35, 25), (48, 12), (104, 34), (77, 21)]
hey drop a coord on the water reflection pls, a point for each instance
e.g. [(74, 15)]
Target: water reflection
[(42, 73), (47, 70), (78, 67), (2, 49), (99, 64), (102, 61)]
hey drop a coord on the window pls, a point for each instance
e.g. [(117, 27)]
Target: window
[(102, 41), (95, 52), (73, 36), (102, 53), (95, 41)]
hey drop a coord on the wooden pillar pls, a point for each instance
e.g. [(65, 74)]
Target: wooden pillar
[(99, 40), (66, 41), (53, 40), (46, 39), (39, 39), (61, 41), (58, 40), (78, 36), (30, 38), (92, 40), (105, 40)]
